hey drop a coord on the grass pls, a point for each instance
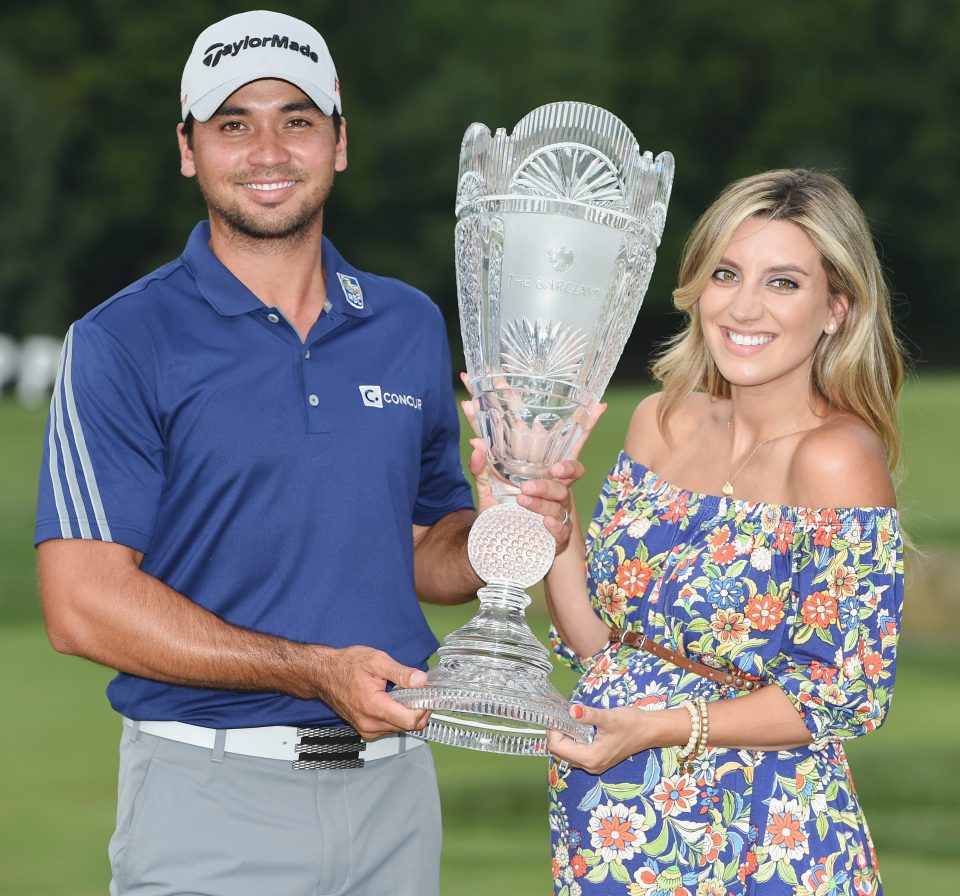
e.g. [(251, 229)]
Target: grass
[(60, 782), (59, 753), (21, 435)]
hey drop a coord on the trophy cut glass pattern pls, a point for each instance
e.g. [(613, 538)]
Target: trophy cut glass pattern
[(557, 229)]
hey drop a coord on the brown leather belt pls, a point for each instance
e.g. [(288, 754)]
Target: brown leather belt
[(737, 680)]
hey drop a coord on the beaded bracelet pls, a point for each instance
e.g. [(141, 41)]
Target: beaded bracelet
[(701, 744), (683, 753), (699, 733)]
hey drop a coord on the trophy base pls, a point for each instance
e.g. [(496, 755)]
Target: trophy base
[(507, 707)]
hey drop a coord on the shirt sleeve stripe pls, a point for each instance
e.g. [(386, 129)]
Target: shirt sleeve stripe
[(89, 476), (69, 470), (64, 423), (65, 528)]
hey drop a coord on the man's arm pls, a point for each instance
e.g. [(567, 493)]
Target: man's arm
[(441, 568), (98, 604)]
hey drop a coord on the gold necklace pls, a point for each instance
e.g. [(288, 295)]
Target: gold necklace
[(727, 488)]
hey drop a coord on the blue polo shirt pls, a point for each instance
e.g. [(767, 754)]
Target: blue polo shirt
[(271, 480)]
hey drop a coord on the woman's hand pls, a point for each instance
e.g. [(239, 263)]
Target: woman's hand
[(552, 497), (620, 734)]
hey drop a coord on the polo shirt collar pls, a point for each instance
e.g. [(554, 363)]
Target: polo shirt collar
[(345, 285), (230, 297)]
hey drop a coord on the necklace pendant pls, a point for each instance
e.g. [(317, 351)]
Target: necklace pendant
[(727, 488)]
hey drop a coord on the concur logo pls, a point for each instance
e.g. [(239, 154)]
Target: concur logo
[(372, 396), (215, 52), (375, 397)]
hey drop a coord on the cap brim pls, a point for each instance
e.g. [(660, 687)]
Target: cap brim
[(202, 109)]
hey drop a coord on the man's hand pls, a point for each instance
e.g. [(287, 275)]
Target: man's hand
[(353, 681)]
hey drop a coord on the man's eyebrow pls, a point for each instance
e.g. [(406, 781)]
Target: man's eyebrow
[(301, 106), (230, 112), (241, 111)]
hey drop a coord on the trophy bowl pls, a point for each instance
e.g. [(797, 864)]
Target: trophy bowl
[(557, 230)]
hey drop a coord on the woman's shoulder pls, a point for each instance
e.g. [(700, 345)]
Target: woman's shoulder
[(842, 463), (647, 442)]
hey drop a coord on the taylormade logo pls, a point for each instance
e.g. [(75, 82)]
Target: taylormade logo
[(215, 52)]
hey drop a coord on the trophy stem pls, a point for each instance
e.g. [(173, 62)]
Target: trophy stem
[(490, 689), (499, 629)]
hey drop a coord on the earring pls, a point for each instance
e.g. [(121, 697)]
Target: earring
[(831, 327)]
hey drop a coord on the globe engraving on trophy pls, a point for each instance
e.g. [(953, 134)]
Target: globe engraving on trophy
[(557, 230)]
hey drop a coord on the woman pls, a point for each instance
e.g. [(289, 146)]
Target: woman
[(748, 526)]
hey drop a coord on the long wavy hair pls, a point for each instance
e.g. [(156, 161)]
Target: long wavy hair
[(860, 368)]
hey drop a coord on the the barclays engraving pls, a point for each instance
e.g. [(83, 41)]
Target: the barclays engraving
[(552, 284)]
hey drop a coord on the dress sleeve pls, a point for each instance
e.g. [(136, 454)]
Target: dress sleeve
[(838, 659), (103, 462)]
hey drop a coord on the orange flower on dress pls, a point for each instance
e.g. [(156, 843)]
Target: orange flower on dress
[(675, 795), (712, 842), (785, 830), (615, 831), (722, 550), (676, 509), (827, 526), (725, 553), (873, 666), (611, 599), (614, 521), (784, 536), (843, 581), (765, 611), (579, 865), (633, 577), (728, 626), (819, 672), (719, 537), (598, 674), (820, 610), (748, 867)]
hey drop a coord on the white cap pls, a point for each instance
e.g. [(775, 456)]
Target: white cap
[(254, 45)]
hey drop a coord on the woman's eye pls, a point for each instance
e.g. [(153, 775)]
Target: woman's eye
[(724, 275), (783, 283)]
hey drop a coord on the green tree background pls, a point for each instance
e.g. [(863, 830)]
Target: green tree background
[(864, 88)]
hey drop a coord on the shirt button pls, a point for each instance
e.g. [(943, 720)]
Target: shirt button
[(314, 400), (273, 318)]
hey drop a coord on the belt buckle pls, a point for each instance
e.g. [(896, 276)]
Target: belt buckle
[(326, 748)]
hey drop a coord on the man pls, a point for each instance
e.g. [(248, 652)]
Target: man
[(251, 472)]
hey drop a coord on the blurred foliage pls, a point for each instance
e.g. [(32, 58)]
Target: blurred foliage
[(864, 88)]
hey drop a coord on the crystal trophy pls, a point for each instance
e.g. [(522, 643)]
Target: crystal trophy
[(558, 226)]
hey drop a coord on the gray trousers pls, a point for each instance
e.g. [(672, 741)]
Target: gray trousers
[(197, 821)]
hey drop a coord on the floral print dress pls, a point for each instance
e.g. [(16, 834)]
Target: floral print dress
[(808, 599)]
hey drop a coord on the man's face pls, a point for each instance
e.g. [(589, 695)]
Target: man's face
[(265, 161)]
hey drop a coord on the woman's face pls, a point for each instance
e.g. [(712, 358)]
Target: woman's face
[(767, 305)]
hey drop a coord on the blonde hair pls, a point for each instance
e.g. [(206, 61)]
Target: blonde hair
[(860, 368)]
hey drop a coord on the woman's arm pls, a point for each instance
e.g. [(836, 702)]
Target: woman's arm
[(762, 720), (565, 585)]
